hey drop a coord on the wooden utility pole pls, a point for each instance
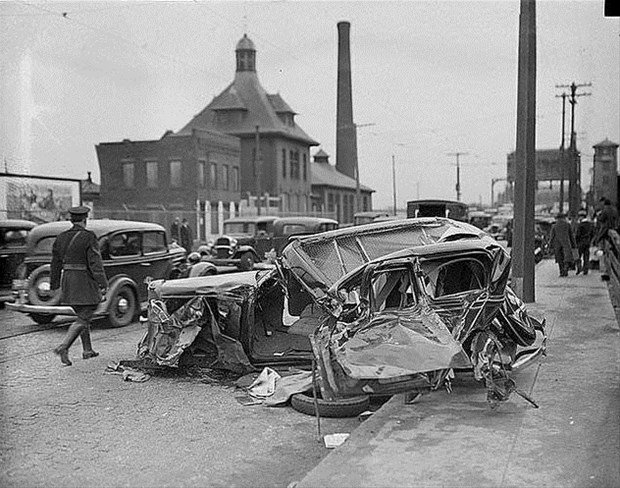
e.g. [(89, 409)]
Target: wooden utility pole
[(574, 168), (257, 170), (525, 161), (458, 173), (394, 182), (562, 149)]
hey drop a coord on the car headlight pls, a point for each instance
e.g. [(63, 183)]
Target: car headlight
[(233, 242)]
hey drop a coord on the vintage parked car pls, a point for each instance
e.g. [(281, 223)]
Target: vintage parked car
[(383, 308), (133, 253), (286, 228), (13, 235), (367, 217), (244, 242)]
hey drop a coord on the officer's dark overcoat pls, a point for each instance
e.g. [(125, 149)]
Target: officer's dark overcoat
[(79, 260)]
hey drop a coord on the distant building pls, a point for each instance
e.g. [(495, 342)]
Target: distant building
[(170, 173), (281, 167), (549, 170), (244, 143), (605, 171), (335, 192)]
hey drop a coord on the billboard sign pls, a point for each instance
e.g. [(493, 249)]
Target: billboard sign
[(37, 198)]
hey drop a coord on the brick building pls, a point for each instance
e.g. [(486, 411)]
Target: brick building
[(605, 171), (334, 192), (172, 172), (244, 109)]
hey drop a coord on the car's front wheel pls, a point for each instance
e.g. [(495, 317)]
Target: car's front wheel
[(123, 308), (246, 262), (342, 407), (39, 291)]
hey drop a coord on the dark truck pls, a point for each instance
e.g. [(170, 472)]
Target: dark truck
[(437, 208)]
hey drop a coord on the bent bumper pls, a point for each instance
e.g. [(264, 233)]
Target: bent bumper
[(41, 309)]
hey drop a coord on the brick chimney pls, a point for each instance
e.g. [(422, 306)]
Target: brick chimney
[(346, 134)]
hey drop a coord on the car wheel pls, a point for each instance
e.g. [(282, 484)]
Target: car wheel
[(123, 307), (343, 407), (210, 271), (246, 261), (42, 319), (39, 292)]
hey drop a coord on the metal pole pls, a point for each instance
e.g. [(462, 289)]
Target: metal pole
[(257, 169), (458, 178), (394, 182)]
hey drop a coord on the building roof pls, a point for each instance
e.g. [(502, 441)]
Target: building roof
[(325, 174), (261, 109), (606, 143)]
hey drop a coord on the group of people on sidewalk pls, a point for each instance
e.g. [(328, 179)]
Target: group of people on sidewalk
[(571, 241), (181, 232)]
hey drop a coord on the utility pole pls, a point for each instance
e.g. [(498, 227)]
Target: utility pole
[(394, 182), (358, 195), (257, 170), (523, 271), (458, 173), (574, 169), (562, 149)]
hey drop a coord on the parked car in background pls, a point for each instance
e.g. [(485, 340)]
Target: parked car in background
[(382, 308), (361, 218), (133, 254), (13, 233), (285, 228), (244, 242)]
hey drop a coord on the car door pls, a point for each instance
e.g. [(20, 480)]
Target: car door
[(156, 256), (123, 251)]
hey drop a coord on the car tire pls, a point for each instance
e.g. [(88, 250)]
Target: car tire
[(42, 319), (39, 292), (246, 261), (123, 308), (341, 408)]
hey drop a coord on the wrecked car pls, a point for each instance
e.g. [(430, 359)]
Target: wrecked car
[(381, 308)]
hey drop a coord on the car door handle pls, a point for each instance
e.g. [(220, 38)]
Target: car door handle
[(145, 264)]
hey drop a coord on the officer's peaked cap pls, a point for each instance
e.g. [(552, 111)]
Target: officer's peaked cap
[(81, 211)]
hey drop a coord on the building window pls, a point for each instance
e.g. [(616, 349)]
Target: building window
[(175, 174), (294, 157), (305, 169), (128, 175), (151, 174), (283, 163), (225, 177), (235, 178), (202, 174), (213, 175), (330, 202)]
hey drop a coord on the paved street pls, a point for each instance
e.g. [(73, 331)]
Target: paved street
[(76, 426)]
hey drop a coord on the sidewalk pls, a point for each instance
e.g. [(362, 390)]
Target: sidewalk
[(455, 440)]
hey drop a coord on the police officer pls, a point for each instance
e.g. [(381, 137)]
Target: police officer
[(77, 269)]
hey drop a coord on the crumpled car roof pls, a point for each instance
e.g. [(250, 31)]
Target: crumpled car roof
[(332, 255)]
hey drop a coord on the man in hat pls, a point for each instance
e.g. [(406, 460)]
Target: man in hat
[(562, 241), (78, 270), (606, 220), (584, 233)]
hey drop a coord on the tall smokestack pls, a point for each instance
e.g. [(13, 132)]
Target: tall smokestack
[(346, 138)]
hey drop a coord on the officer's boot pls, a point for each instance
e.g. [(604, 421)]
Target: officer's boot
[(87, 348), (75, 329)]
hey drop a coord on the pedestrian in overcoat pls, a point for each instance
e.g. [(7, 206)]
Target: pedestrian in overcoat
[(77, 270), (562, 241), (584, 234), (606, 220), (175, 230), (186, 236)]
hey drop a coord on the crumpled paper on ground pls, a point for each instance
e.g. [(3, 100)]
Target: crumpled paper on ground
[(128, 374), (271, 389)]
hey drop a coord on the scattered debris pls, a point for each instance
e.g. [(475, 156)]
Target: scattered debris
[(334, 440), (127, 373)]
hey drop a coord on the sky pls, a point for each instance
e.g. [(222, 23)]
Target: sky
[(430, 79)]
